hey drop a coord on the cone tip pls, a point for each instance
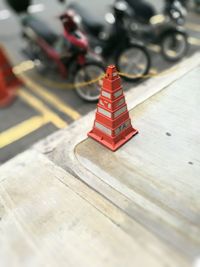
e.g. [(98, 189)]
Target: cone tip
[(111, 72)]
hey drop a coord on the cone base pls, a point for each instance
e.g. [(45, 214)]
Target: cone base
[(115, 146)]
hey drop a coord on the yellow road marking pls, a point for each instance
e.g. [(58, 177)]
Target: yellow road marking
[(26, 127), (51, 98), (23, 66), (191, 40), (19, 131), (194, 41), (154, 48), (39, 106), (28, 65), (193, 26), (153, 71)]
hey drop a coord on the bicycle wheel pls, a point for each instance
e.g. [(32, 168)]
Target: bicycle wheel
[(174, 45), (90, 72), (133, 61)]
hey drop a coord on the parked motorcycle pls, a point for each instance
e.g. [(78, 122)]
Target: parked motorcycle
[(113, 41), (176, 10), (165, 30), (67, 54), (197, 5)]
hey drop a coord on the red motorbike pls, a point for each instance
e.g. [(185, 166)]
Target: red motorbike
[(68, 53)]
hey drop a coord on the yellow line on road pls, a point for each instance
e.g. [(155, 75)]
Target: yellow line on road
[(153, 71), (194, 41), (19, 131), (191, 40), (154, 48), (26, 127), (51, 98), (40, 107), (193, 26), (23, 66)]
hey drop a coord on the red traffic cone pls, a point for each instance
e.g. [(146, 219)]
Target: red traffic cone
[(6, 96), (112, 126), (11, 80), (8, 81)]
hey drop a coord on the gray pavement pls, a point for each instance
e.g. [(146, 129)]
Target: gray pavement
[(21, 110)]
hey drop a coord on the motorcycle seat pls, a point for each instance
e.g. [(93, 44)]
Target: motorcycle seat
[(40, 28), (91, 23)]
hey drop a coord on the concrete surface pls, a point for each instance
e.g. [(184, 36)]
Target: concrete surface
[(163, 155), (49, 218), (158, 170), (140, 207)]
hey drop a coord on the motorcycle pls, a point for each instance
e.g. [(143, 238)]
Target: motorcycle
[(112, 41), (176, 10), (67, 54), (197, 5), (165, 30)]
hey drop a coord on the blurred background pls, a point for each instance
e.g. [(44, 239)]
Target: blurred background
[(45, 102)]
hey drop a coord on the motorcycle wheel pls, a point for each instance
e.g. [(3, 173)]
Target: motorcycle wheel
[(174, 45), (133, 61), (86, 73)]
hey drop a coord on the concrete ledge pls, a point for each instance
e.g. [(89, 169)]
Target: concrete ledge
[(49, 218), (62, 147)]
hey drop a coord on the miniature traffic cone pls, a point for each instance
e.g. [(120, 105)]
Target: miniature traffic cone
[(112, 125), (8, 81)]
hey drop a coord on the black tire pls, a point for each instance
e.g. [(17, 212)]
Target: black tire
[(172, 36), (86, 92), (137, 51)]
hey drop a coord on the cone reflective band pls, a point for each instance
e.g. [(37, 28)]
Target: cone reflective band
[(112, 127), (8, 81)]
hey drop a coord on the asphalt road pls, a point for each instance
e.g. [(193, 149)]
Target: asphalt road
[(23, 123)]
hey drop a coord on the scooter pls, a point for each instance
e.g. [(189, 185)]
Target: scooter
[(67, 54), (112, 41), (165, 30)]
